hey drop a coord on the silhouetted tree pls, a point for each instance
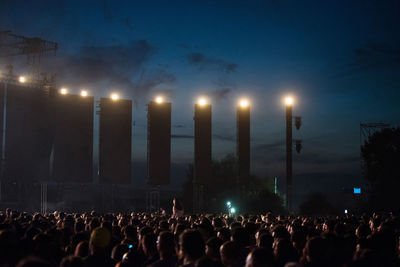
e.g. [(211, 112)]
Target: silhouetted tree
[(381, 166), (264, 201), (317, 204), (248, 195)]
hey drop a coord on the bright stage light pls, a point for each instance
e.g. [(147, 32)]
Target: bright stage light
[(289, 100), (202, 102), (63, 91), (114, 96), (84, 93), (244, 103), (233, 210), (228, 203), (21, 79), (159, 99)]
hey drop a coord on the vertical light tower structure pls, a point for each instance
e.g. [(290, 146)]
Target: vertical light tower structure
[(158, 141), (243, 141), (289, 117), (73, 137), (158, 150), (202, 152), (115, 140)]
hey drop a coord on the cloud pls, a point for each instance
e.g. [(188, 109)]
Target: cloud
[(127, 22), (224, 137), (178, 126), (270, 146), (182, 136), (120, 67), (219, 94), (275, 151), (152, 80), (319, 158), (203, 62), (215, 136), (109, 11), (377, 55), (372, 56), (224, 88)]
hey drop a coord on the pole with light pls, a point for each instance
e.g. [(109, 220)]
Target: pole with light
[(289, 102), (202, 152), (242, 145), (289, 110)]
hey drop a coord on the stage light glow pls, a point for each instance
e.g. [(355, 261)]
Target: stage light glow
[(228, 203), (289, 100), (243, 103), (63, 91), (233, 210), (21, 79), (202, 102), (84, 93), (114, 96), (159, 99)]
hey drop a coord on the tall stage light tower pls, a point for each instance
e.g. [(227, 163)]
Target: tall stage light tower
[(202, 152), (73, 140), (115, 140), (158, 149), (158, 141), (289, 102), (289, 109), (243, 142)]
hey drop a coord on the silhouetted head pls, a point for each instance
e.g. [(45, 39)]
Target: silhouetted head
[(212, 248), (231, 254), (72, 261), (260, 257), (82, 249), (192, 245), (284, 251), (118, 251), (166, 245), (149, 244), (33, 262), (316, 250), (99, 240)]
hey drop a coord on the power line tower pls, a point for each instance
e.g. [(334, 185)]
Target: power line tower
[(33, 47)]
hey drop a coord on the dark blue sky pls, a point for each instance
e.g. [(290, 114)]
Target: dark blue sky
[(341, 59)]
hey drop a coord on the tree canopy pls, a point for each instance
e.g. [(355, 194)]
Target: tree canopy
[(317, 204), (381, 167), (249, 194)]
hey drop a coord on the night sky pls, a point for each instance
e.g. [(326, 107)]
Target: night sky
[(340, 59)]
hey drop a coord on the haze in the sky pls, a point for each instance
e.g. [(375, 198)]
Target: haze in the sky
[(340, 59)]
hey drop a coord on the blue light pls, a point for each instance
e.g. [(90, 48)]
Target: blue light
[(356, 190), (228, 203)]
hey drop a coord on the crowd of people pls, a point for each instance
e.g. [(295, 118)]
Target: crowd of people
[(159, 239)]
